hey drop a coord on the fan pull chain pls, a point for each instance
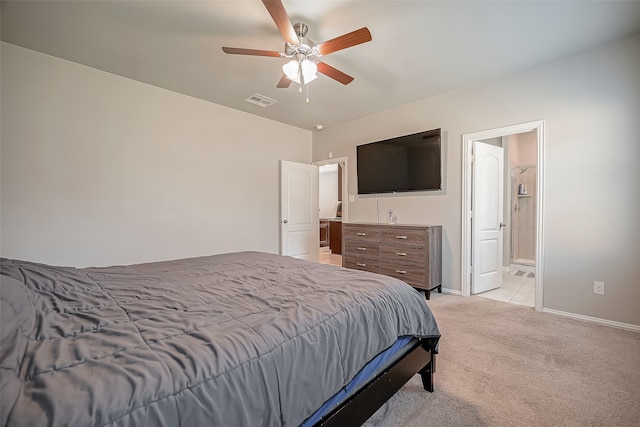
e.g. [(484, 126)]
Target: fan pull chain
[(307, 93), (301, 75)]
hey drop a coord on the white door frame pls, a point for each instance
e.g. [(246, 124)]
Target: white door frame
[(345, 193), (467, 190)]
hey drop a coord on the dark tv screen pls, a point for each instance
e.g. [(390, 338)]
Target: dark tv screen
[(403, 164)]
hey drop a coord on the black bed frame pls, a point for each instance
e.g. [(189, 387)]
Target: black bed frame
[(420, 358)]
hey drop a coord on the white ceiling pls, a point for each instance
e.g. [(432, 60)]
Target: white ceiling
[(419, 48)]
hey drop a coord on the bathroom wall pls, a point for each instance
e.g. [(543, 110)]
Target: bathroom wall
[(522, 207), (328, 190)]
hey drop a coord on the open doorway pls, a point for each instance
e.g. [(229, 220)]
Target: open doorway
[(519, 226), (332, 209), (516, 268)]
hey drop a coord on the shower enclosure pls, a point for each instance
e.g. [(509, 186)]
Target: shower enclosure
[(523, 217)]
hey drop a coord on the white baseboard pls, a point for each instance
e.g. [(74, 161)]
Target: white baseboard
[(620, 325), (614, 324)]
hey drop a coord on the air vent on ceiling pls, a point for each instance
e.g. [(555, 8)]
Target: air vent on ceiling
[(261, 100)]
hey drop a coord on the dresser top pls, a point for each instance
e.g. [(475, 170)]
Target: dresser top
[(384, 224)]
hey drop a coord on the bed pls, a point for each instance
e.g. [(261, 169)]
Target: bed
[(239, 339)]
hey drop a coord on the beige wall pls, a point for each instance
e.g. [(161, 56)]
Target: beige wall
[(328, 191), (521, 222), (98, 169), (523, 149), (590, 104)]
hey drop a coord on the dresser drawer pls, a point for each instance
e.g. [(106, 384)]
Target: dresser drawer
[(351, 232), (403, 253), (402, 235), (362, 248), (360, 263), (412, 274), (411, 253)]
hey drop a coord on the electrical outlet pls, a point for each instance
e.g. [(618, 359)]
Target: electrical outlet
[(390, 214), (598, 288)]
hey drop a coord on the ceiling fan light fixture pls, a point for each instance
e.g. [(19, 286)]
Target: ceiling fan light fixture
[(292, 69), (309, 70), (295, 68)]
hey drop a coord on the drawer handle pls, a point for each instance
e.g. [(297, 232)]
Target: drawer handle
[(401, 237), (361, 264), (401, 253), (401, 271), (361, 234), (361, 248)]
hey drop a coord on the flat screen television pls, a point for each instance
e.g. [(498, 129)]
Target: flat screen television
[(402, 164)]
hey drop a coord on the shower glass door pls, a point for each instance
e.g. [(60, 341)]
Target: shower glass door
[(523, 215)]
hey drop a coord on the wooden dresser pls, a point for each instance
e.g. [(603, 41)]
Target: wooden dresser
[(412, 253)]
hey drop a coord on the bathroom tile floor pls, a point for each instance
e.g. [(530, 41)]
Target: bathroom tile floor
[(515, 289)]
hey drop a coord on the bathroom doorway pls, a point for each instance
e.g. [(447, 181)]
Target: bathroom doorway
[(332, 209), (519, 242), (522, 220)]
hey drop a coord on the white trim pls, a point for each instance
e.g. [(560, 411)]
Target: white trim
[(331, 161), (539, 216), (619, 325), (451, 291), (467, 159)]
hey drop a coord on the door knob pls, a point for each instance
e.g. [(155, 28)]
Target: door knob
[(285, 221), (502, 224)]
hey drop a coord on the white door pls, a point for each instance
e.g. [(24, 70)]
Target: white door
[(487, 206), (299, 222)]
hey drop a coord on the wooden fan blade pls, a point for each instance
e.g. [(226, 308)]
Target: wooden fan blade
[(344, 41), (335, 74), (284, 82), (280, 17), (255, 52)]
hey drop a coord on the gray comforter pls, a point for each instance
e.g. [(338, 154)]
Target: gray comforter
[(245, 339)]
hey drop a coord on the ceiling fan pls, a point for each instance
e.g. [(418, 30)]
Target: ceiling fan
[(304, 54)]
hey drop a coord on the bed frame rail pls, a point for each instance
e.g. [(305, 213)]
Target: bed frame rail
[(356, 410)]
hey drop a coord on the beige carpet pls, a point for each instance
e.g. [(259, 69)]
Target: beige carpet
[(506, 365)]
